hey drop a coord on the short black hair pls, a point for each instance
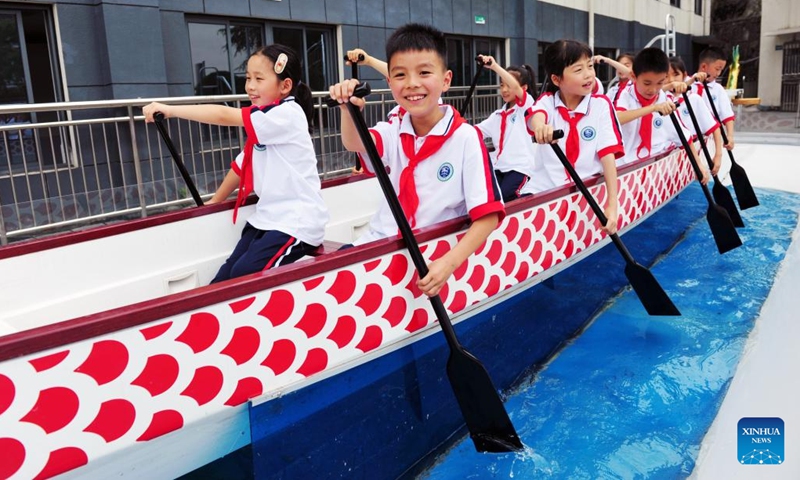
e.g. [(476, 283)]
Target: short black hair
[(676, 63), (712, 54), (650, 60), (560, 55), (417, 36)]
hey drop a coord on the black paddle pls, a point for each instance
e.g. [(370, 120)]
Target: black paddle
[(721, 194), (654, 299), (354, 74), (745, 194), (486, 418), (159, 120), (465, 106), (718, 219)]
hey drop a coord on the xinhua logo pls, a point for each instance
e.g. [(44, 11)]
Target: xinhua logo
[(760, 441)]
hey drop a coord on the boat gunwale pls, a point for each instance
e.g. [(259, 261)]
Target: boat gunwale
[(69, 331)]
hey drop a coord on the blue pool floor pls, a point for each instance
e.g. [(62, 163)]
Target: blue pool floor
[(633, 396)]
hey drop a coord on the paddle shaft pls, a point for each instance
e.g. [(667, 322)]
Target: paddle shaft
[(176, 157), (699, 133), (402, 222), (699, 173), (354, 74), (465, 106), (589, 198)]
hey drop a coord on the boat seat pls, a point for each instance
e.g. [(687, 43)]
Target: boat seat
[(328, 246)]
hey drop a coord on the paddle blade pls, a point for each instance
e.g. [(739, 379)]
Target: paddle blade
[(488, 423), (654, 299), (722, 228), (724, 199), (741, 185)]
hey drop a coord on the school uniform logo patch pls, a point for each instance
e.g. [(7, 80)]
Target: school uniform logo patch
[(260, 147), (445, 172), (588, 133), (658, 122)]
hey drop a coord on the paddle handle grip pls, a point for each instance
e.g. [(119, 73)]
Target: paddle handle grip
[(362, 90), (354, 65), (176, 157)]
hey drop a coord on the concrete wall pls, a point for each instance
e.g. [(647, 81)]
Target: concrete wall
[(776, 16)]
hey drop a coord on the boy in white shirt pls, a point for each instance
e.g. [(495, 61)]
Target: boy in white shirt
[(438, 164)]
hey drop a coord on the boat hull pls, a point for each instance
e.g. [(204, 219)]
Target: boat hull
[(171, 364)]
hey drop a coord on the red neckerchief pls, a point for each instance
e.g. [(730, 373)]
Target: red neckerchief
[(407, 190), (622, 84), (573, 139), (246, 172), (700, 87), (646, 124), (503, 120)]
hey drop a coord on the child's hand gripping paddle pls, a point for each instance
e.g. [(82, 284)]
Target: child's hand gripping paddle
[(654, 299), (721, 194), (176, 157), (486, 418), (718, 219), (467, 101), (741, 182)]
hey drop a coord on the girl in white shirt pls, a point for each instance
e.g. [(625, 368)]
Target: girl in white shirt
[(278, 163), (514, 153)]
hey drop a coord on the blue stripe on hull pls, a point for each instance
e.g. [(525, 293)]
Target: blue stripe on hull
[(376, 420)]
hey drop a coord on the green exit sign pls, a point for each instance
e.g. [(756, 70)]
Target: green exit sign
[(480, 20)]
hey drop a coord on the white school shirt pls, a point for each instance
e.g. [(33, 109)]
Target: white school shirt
[(611, 93), (599, 135), (720, 98), (664, 135), (513, 148), (285, 174), (705, 119), (454, 181)]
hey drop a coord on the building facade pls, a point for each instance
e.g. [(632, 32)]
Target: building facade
[(779, 57), (74, 50)]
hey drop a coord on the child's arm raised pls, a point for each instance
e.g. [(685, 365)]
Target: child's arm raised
[(508, 79), (379, 65), (211, 114), (440, 270), (621, 69)]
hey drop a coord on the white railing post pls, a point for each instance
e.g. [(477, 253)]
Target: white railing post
[(137, 165)]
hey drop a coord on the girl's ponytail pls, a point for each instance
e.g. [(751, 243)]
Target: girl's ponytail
[(532, 89), (302, 95)]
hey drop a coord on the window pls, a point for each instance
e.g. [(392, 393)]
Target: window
[(461, 53), (219, 55), (698, 7), (220, 50), (29, 73), (675, 3)]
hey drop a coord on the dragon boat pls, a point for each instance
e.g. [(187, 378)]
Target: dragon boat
[(117, 358)]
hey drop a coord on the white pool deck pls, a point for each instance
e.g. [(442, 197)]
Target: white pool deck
[(766, 381)]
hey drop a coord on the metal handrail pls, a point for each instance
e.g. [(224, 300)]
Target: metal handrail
[(103, 163)]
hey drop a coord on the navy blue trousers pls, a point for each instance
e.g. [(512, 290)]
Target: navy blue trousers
[(259, 250), (511, 183)]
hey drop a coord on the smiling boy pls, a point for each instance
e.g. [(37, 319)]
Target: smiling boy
[(712, 63), (642, 107), (438, 164)]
